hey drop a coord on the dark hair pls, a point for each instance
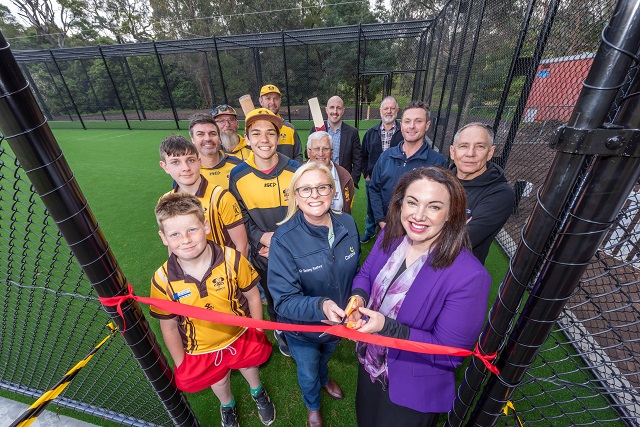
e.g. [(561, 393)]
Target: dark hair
[(453, 236), (198, 119), (177, 145), (418, 104)]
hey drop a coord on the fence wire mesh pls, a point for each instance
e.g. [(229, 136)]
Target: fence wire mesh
[(51, 317), (518, 66)]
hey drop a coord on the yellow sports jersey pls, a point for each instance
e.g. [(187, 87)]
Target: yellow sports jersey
[(263, 199), (221, 290), (221, 209), (219, 174), (289, 143), (242, 151)]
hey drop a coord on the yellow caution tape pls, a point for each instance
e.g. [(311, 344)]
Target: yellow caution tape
[(30, 415)]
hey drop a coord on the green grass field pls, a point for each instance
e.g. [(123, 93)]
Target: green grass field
[(119, 174)]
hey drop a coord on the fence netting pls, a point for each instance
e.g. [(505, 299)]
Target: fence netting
[(50, 316), (518, 66)]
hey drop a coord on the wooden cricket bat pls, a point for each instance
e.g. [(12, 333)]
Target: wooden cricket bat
[(316, 114), (246, 104)]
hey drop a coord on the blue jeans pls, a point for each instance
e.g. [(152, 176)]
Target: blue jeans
[(370, 226), (312, 363)]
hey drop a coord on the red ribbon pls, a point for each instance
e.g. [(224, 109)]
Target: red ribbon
[(323, 127), (337, 330)]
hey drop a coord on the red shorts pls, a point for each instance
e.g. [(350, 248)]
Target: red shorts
[(199, 371)]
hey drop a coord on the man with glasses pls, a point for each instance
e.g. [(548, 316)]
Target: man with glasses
[(319, 150), (289, 143), (233, 143)]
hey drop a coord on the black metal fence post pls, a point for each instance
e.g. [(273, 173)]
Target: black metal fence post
[(66, 87), (166, 85), (30, 138), (115, 88), (552, 9), (224, 90), (286, 76), (557, 207), (34, 87), (524, 28)]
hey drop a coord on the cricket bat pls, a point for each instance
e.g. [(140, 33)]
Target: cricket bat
[(246, 104), (316, 114)]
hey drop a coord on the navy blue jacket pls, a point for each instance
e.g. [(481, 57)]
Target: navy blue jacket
[(372, 146), (304, 270), (391, 165)]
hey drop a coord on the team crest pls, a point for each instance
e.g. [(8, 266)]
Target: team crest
[(218, 283), (283, 136), (347, 196), (236, 209), (286, 194)]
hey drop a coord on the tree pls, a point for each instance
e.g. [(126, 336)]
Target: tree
[(52, 22)]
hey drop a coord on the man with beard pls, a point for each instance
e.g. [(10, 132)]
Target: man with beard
[(233, 143), (379, 138)]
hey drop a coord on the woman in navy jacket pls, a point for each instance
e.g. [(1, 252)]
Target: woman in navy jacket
[(313, 258), (420, 282)]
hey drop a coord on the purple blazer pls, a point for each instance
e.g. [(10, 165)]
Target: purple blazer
[(445, 307)]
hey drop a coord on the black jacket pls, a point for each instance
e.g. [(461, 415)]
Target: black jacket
[(372, 147), (350, 156), (490, 201)]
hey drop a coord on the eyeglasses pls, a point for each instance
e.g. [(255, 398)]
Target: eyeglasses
[(227, 121), (321, 149), (306, 192), (223, 109)]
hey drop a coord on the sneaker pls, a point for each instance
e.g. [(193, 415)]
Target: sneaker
[(366, 237), (282, 343), (229, 416), (266, 410)]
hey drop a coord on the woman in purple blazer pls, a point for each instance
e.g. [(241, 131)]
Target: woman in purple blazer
[(420, 282)]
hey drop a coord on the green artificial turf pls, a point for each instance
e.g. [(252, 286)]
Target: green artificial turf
[(119, 175)]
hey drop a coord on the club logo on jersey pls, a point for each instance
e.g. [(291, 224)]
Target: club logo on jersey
[(270, 184), (208, 306), (236, 209), (283, 136), (286, 194), (182, 294), (218, 283)]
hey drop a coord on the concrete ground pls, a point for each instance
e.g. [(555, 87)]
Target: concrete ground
[(10, 410)]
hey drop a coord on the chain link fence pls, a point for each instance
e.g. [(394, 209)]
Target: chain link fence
[(518, 66)]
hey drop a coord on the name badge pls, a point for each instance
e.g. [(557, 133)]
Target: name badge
[(182, 294)]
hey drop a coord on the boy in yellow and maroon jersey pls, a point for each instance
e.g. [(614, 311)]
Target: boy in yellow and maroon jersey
[(206, 275), (261, 186), (180, 159)]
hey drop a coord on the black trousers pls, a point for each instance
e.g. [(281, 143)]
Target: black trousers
[(375, 409)]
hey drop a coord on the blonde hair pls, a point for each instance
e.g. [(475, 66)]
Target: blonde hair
[(309, 166), (174, 204)]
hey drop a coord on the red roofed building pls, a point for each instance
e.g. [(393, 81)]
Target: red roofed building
[(556, 88)]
